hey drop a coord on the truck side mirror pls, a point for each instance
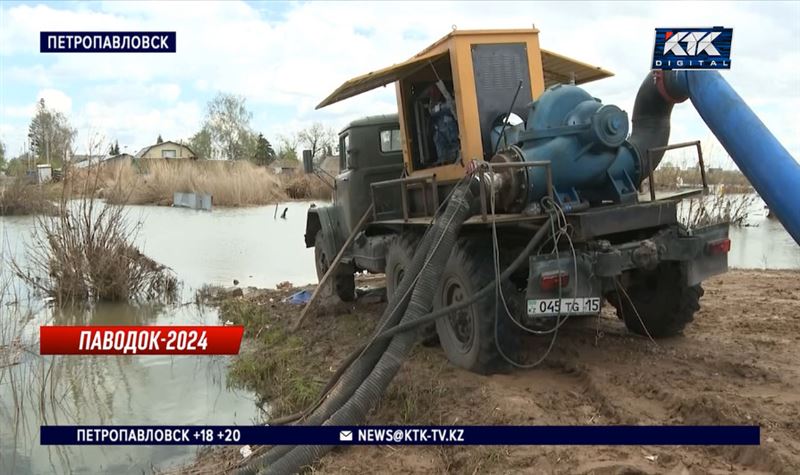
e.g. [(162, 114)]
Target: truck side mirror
[(308, 161)]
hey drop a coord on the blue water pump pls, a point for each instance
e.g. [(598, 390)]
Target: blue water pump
[(586, 144)]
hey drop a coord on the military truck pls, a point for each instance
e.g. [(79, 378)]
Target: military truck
[(490, 107)]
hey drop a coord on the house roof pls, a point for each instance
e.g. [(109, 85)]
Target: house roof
[(144, 150), (84, 157), (286, 163)]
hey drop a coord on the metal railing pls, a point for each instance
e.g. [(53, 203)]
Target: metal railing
[(430, 181), (651, 151)]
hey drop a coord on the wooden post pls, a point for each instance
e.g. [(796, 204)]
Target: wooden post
[(332, 267)]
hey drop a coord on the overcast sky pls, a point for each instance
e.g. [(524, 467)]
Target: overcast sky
[(286, 57)]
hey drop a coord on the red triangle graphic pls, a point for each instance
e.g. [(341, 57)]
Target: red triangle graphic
[(667, 35)]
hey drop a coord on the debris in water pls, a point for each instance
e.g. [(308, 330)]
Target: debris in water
[(299, 298)]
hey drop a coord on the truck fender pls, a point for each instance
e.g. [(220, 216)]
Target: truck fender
[(326, 219)]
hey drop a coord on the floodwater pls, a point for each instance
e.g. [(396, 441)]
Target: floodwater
[(762, 243), (250, 245), (254, 246)]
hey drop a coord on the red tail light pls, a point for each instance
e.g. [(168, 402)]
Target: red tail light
[(553, 280), (720, 246)]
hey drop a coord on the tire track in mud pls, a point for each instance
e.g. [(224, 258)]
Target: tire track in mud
[(738, 363)]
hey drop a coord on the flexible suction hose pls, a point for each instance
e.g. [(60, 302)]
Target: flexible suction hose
[(355, 409), (364, 370), (359, 363), (374, 365)]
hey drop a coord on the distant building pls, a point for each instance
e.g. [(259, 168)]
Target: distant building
[(285, 166), (44, 173), (83, 161), (120, 157), (167, 150)]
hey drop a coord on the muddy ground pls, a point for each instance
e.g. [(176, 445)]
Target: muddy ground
[(738, 363)]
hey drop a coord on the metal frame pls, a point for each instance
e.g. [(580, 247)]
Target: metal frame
[(421, 182), (651, 151), (404, 184)]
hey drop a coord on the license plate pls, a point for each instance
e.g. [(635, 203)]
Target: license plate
[(574, 306)]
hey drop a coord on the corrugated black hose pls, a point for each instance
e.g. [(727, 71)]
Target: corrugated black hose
[(360, 363), (361, 386), (354, 410), (363, 365)]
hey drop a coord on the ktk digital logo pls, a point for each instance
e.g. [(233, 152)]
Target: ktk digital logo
[(693, 48)]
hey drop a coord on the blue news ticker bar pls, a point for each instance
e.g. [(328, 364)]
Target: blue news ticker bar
[(400, 435), (107, 42)]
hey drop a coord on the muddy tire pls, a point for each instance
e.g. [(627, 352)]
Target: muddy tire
[(399, 254), (344, 284), (468, 336), (664, 303)]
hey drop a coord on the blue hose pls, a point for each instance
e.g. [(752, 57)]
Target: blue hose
[(773, 172)]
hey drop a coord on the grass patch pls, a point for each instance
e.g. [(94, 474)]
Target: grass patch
[(277, 365)]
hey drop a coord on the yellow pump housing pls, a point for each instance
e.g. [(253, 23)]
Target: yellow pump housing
[(484, 68)]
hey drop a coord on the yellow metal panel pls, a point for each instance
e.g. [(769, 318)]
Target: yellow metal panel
[(545, 69), (464, 83), (378, 78), (559, 69)]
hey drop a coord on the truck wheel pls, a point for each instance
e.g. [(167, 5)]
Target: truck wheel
[(398, 257), (665, 305), (343, 281), (468, 336)]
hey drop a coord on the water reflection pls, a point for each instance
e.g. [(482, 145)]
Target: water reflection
[(113, 390), (254, 246)]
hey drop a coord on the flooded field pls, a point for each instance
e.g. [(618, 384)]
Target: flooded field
[(253, 246), (248, 245)]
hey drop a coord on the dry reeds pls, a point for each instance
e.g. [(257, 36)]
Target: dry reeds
[(85, 254), (20, 197), (718, 207), (303, 186), (229, 183)]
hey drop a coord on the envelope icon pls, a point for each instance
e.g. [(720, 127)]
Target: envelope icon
[(346, 435)]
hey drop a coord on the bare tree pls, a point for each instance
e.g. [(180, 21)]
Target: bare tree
[(317, 138)]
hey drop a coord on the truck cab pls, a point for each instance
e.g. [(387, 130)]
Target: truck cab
[(370, 151)]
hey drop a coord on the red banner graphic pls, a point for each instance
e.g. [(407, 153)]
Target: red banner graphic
[(140, 340)]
